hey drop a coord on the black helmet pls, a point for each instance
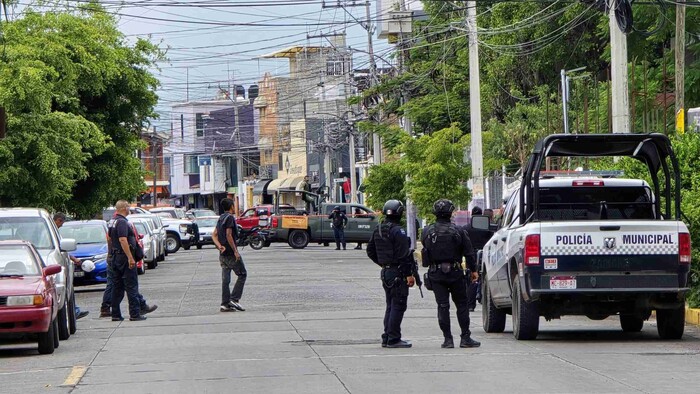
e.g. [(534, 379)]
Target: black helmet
[(336, 208), (393, 208), (443, 207)]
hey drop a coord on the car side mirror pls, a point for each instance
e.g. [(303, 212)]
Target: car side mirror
[(68, 245), (52, 270), (481, 222)]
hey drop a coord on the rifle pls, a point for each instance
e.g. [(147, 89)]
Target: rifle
[(416, 274)]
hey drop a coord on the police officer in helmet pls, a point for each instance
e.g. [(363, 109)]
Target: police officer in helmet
[(444, 245), (389, 248)]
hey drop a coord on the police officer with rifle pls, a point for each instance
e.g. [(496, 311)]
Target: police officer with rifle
[(444, 245), (389, 248)]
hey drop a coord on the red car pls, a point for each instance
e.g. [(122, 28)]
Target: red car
[(27, 296), (259, 215)]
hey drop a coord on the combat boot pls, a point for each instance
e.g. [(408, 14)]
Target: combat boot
[(469, 342), (399, 344), (448, 344)]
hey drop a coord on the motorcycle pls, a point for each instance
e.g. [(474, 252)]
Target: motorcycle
[(255, 237)]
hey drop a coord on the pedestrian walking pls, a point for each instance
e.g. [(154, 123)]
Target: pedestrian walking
[(59, 218), (106, 307), (338, 222), (444, 246), (224, 237), (125, 251), (479, 238), (389, 248)]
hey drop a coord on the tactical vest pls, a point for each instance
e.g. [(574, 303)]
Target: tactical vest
[(444, 242), (384, 242), (338, 220)]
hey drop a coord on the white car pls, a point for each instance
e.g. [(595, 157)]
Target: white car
[(150, 241), (158, 228), (181, 232)]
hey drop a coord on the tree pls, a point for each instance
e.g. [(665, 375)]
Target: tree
[(77, 96)]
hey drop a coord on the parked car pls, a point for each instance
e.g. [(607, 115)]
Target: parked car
[(206, 225), (199, 213), (149, 240), (36, 226), (159, 232), (28, 297), (91, 242), (181, 232), (140, 265), (259, 216)]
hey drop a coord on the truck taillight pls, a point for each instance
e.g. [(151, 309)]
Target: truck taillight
[(532, 249), (274, 221), (684, 248)]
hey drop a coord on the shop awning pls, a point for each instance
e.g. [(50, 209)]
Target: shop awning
[(261, 186), (291, 182), (275, 185)]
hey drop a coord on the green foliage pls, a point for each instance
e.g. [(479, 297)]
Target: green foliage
[(77, 96), (385, 182)]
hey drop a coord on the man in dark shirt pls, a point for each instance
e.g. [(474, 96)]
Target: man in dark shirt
[(224, 237), (389, 249), (124, 272), (338, 221)]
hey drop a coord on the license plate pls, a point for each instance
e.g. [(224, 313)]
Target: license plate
[(562, 282), (78, 274)]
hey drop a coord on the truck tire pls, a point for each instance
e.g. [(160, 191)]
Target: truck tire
[(63, 329), (72, 319), (172, 243), (631, 323), (298, 239), (46, 342), (671, 322), (526, 315), (494, 319), (256, 242)]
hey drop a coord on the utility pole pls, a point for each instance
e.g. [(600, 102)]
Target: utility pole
[(475, 103), (376, 141), (565, 99), (618, 65), (680, 66), (155, 167), (353, 177)]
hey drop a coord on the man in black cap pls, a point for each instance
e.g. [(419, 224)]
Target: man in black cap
[(338, 221)]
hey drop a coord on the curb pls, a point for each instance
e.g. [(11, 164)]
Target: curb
[(692, 316)]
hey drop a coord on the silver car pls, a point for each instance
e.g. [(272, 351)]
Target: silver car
[(158, 230), (150, 241), (36, 226), (206, 225)]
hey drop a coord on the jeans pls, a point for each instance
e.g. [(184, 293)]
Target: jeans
[(451, 284), (124, 279), (396, 304), (339, 234), (107, 296), (228, 264)]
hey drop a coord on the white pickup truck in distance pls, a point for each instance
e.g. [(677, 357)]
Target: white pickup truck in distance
[(590, 246)]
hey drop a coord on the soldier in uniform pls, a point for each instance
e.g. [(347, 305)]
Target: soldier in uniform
[(389, 248), (444, 245), (338, 221)]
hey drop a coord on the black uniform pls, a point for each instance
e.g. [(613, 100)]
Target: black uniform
[(389, 248), (444, 245), (479, 238), (123, 277), (339, 221)]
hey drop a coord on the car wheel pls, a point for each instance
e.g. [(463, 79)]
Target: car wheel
[(152, 264), (526, 315), (298, 239), (631, 323), (199, 246), (141, 270), (671, 322), (256, 242), (326, 244), (63, 329), (186, 247), (72, 319), (494, 319), (56, 342), (46, 340), (172, 243)]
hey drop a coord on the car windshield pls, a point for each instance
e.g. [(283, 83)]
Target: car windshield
[(141, 228), (206, 223), (203, 212), (18, 260), (84, 233), (31, 229)]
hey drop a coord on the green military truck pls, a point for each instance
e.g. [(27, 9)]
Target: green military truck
[(300, 229)]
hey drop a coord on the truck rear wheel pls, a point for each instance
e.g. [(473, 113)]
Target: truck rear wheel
[(298, 239), (526, 315), (671, 322), (494, 319), (631, 323)]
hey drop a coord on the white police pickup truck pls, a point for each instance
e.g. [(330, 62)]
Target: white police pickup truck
[(590, 245)]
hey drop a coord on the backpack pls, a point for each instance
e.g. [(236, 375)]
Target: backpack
[(442, 241)]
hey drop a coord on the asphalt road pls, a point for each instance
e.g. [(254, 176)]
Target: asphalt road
[(312, 326)]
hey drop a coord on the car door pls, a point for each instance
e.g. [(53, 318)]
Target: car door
[(361, 224), (326, 223), (248, 219), (497, 269)]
